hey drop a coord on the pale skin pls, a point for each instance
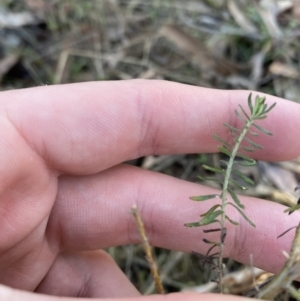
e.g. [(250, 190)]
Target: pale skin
[(65, 194)]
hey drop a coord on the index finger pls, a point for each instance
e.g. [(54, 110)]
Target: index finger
[(85, 128)]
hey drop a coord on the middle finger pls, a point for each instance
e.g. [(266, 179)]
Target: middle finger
[(93, 212)]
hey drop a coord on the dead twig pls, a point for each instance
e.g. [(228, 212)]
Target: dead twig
[(148, 251), (289, 272)]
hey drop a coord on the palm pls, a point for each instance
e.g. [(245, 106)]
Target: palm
[(26, 238)]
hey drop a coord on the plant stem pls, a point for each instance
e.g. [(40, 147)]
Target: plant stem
[(224, 196)]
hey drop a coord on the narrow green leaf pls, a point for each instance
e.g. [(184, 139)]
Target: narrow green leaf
[(256, 106), (210, 218), (224, 162), (265, 131), (244, 112), (209, 179), (218, 138), (233, 182), (204, 197), (235, 198), (211, 210), (231, 221), (214, 169), (250, 103), (270, 108), (248, 149), (199, 224), (243, 177), (261, 117), (242, 214), (263, 110), (260, 110), (246, 163), (192, 225), (253, 133), (259, 100), (239, 116), (224, 150), (259, 105), (236, 160), (255, 145), (247, 159), (231, 128)]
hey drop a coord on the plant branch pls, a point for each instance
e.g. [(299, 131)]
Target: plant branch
[(217, 213)]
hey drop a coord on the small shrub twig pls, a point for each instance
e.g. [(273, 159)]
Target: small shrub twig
[(148, 250), (217, 213)]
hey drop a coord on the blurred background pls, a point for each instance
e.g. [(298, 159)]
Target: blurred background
[(225, 44)]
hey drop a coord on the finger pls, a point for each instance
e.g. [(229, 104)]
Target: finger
[(8, 294), (94, 212), (85, 128), (89, 274)]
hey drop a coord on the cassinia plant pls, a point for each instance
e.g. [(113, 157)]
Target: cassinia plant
[(217, 213)]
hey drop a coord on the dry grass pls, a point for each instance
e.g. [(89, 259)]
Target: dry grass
[(229, 44), (218, 44)]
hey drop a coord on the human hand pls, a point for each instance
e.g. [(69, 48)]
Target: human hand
[(65, 193)]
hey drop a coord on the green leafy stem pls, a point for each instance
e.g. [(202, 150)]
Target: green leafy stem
[(217, 213)]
